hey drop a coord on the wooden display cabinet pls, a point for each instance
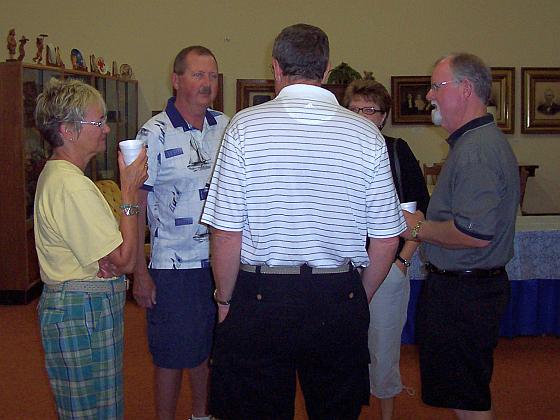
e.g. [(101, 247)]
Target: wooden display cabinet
[(23, 154)]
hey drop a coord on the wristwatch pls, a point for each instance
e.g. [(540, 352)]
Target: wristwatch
[(130, 209), (218, 301), (404, 261), (416, 229)]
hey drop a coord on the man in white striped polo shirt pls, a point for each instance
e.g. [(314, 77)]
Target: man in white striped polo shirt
[(299, 183)]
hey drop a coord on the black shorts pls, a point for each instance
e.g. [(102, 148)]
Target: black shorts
[(458, 322), (278, 326)]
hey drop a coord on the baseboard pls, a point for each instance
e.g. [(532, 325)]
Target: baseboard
[(21, 297)]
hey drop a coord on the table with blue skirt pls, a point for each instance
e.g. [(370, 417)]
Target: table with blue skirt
[(534, 272)]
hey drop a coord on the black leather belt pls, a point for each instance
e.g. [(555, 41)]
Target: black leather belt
[(295, 269), (475, 272)]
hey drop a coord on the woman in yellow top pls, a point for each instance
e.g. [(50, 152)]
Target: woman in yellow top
[(81, 314)]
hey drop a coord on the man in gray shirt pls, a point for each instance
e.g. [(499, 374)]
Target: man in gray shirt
[(467, 239)]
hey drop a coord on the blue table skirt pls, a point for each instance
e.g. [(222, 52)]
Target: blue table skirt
[(533, 309)]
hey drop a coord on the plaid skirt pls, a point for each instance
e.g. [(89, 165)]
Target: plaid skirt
[(82, 335)]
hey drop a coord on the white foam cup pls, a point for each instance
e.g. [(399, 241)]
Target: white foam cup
[(130, 150), (409, 206)]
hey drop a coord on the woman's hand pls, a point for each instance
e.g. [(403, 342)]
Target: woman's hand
[(133, 176)]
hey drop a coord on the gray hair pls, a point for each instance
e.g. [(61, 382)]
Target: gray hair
[(64, 102), (469, 67)]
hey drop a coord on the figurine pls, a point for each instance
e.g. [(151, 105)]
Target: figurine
[(21, 48), (368, 75), (58, 62), (40, 43), (92, 64), (11, 44)]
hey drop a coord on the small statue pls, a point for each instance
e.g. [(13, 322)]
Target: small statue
[(40, 43), (23, 40), (93, 64), (11, 44), (58, 62), (368, 75)]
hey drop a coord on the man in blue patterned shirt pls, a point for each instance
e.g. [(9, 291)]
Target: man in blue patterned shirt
[(177, 287)]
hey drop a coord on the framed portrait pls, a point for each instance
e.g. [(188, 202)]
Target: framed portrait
[(410, 105), (502, 98), (540, 90), (251, 92)]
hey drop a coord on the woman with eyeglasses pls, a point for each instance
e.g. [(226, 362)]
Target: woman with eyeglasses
[(83, 253), (389, 304)]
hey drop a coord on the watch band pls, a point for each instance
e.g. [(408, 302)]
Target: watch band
[(416, 229), (218, 301), (130, 209), (404, 261)]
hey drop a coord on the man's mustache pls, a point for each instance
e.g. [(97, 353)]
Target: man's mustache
[(205, 90)]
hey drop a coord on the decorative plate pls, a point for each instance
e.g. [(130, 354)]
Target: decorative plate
[(77, 59)]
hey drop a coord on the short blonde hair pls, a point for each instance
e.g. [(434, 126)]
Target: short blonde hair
[(61, 102)]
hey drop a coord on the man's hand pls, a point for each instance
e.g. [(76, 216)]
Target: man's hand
[(107, 270), (144, 290), (223, 310), (411, 220)]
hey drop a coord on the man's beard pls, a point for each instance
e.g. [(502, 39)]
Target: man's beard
[(436, 114)]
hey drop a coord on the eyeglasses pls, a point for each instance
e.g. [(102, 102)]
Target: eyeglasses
[(98, 124), (367, 110), (437, 86)]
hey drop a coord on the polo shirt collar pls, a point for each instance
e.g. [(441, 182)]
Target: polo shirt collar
[(177, 119), (472, 124), (304, 91)]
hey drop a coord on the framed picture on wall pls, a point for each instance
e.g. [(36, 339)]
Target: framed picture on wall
[(251, 92), (540, 90), (410, 105), (502, 98), (218, 103)]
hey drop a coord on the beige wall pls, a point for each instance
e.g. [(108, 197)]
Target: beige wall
[(396, 37)]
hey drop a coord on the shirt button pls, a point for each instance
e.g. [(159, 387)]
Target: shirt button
[(259, 296), (351, 295)]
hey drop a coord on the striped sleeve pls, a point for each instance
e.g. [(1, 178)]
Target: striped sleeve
[(225, 207), (384, 215)]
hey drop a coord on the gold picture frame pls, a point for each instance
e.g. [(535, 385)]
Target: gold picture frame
[(502, 98), (540, 90), (251, 92), (410, 105)]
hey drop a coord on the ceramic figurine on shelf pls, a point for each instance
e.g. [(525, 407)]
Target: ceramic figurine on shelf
[(58, 59), (11, 44), (23, 40), (40, 43), (93, 64)]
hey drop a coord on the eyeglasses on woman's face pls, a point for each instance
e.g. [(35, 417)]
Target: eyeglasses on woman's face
[(367, 110)]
